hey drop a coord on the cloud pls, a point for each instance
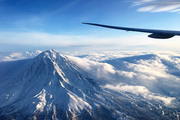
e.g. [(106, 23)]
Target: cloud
[(146, 65), (140, 90), (131, 89), (71, 41), (43, 41), (37, 38), (158, 5), (150, 67), (97, 69), (13, 56), (154, 77)]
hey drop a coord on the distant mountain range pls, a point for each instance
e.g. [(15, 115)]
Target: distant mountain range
[(55, 86)]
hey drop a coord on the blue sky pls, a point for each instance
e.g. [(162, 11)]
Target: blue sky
[(45, 24)]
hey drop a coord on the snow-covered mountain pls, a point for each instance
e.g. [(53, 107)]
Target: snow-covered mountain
[(53, 86)]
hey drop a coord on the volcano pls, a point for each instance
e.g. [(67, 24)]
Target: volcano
[(51, 86)]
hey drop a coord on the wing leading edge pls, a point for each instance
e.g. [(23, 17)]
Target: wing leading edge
[(158, 34)]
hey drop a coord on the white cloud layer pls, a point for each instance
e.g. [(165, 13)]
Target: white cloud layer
[(152, 76), (12, 56), (85, 43), (158, 5), (140, 90), (100, 70)]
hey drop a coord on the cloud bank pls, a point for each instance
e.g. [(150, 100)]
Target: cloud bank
[(153, 77), (44, 41), (140, 90), (13, 56), (158, 5)]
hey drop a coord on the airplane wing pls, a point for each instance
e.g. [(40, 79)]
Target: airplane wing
[(158, 34)]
